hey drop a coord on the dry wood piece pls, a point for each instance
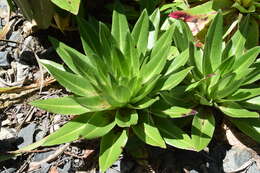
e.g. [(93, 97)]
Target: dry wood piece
[(37, 165)]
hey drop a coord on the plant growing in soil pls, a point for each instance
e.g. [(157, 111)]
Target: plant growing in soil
[(114, 84), (224, 78)]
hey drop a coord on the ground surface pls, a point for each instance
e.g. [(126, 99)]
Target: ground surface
[(22, 124)]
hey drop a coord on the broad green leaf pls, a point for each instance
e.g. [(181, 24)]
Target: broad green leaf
[(194, 85), (204, 8), (247, 59), (226, 85), (141, 31), (244, 9), (173, 135), (68, 5), (153, 31), (67, 54), (252, 77), (174, 112), (64, 105), (253, 103), (211, 81), (123, 94), (87, 125), (243, 94), (176, 97), (196, 60), (99, 124), (75, 83), (111, 147), (213, 45), (134, 85), (178, 62), (69, 132), (119, 27), (158, 56), (126, 117), (234, 110), (89, 35), (203, 100), (173, 80), (146, 89), (119, 63), (94, 103), (148, 132), (226, 66), (40, 12), (203, 126), (90, 70), (145, 103), (107, 41), (182, 35), (236, 45), (230, 88), (110, 96), (132, 55), (250, 127)]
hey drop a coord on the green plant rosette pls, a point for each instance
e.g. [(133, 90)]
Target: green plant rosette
[(225, 77), (114, 83)]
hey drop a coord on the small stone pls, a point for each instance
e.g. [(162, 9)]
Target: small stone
[(15, 37), (65, 168), (40, 156), (111, 170), (6, 133), (4, 59), (235, 158), (44, 168), (39, 135), (253, 168), (56, 119), (6, 122), (27, 135), (56, 127)]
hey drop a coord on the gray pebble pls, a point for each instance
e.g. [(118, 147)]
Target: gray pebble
[(4, 59), (40, 156), (235, 158), (27, 135), (6, 133)]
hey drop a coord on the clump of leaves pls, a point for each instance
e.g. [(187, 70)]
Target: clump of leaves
[(114, 84), (224, 77), (234, 11)]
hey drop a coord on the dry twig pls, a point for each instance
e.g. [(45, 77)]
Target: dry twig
[(37, 165)]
